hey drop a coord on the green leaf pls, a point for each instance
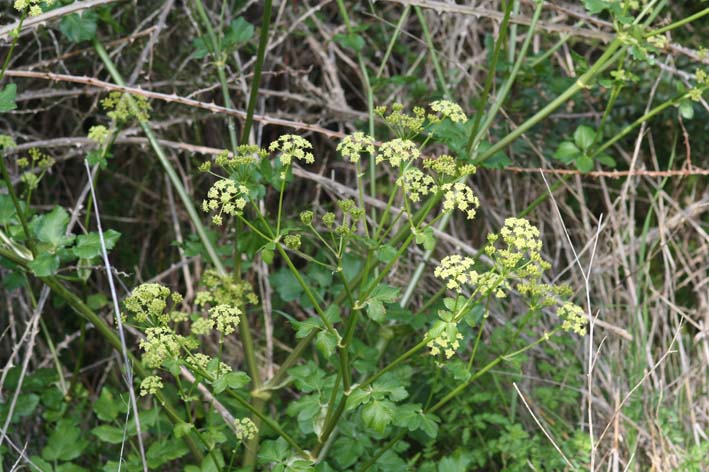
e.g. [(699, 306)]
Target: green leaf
[(351, 41), (96, 301), (427, 239), (240, 31), (584, 163), (25, 406), (273, 451), (606, 160), (50, 227), (386, 253), (595, 6), (108, 434), (65, 443), (326, 342), (43, 465), (7, 98), (78, 27), (567, 152), (686, 109), (236, 380), (377, 415), (96, 156), (44, 265), (7, 210), (162, 452), (584, 137), (375, 304), (88, 245), (69, 467), (182, 428), (286, 285)]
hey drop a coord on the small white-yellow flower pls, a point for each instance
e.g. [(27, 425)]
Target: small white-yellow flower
[(456, 271), (150, 385), (448, 109), (415, 183), (227, 197), (459, 195), (226, 318), (352, 146), (398, 151), (291, 147), (245, 429), (574, 318)]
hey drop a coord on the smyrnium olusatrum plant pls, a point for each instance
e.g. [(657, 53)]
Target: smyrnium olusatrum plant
[(358, 361)]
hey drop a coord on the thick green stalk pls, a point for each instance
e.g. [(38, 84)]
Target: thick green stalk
[(258, 67), (432, 51), (219, 61), (603, 62), (507, 86), (490, 76), (169, 170)]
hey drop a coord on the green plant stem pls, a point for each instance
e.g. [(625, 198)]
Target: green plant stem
[(370, 104), (490, 77), (679, 23), (258, 67), (169, 170), (432, 51), (607, 58), (507, 86), (640, 121), (6, 63), (16, 203), (219, 62), (390, 47)]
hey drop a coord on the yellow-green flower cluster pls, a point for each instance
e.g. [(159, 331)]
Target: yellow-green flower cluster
[(202, 326), (6, 142), (459, 195), (246, 154), (122, 109), (574, 318), (402, 123), (415, 184), (398, 151), (447, 342), (456, 271), (522, 248), (34, 8), (148, 302), (224, 290), (227, 197), (200, 362), (292, 146), (159, 345), (245, 429), (352, 146), (447, 109), (292, 241), (98, 134), (226, 318), (150, 385)]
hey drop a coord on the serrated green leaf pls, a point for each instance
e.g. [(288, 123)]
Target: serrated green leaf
[(240, 31), (50, 227), (79, 27), (65, 442), (162, 452), (566, 152), (108, 434), (7, 98), (584, 163), (88, 245), (351, 41), (584, 137), (44, 265), (606, 160), (107, 407), (326, 342), (378, 414), (686, 109), (386, 253)]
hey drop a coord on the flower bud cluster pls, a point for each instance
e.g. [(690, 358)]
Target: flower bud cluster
[(226, 197)]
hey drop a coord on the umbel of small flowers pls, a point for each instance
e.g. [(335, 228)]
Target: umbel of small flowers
[(245, 429), (34, 6), (225, 197), (150, 385), (354, 145)]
